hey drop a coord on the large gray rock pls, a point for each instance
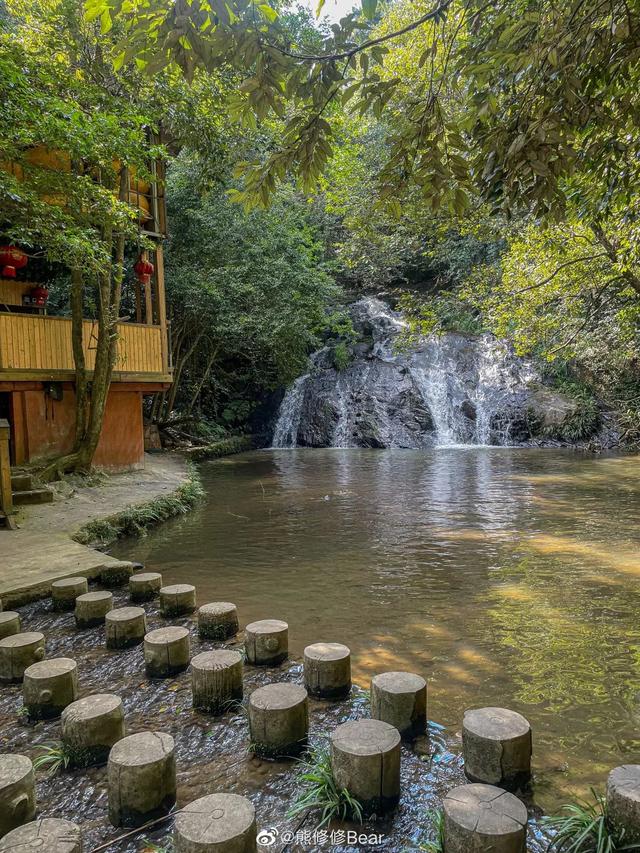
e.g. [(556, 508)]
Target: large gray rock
[(419, 392)]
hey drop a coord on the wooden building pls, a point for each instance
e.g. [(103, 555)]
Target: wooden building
[(37, 393)]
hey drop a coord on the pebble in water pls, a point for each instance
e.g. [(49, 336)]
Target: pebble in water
[(267, 642), (484, 819), (49, 686), (17, 791), (279, 720), (496, 744), (400, 699), (141, 777)]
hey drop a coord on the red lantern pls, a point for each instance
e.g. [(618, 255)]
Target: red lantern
[(12, 258), (39, 296), (144, 269)]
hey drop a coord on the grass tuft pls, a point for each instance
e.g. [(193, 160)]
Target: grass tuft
[(53, 757), (587, 828), (435, 843), (320, 792), (136, 520)]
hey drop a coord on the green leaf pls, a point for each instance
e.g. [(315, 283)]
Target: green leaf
[(269, 13), (369, 8)]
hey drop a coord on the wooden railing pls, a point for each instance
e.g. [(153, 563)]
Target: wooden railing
[(38, 345)]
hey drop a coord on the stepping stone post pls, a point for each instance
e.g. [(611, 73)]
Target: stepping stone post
[(18, 652), (144, 586), (116, 575), (9, 624), (400, 699), (49, 686), (497, 747), (179, 599), (46, 835), (216, 680), (484, 819), (279, 720), (65, 591), (141, 777), (219, 823), (327, 670), (365, 759), (17, 791), (92, 607), (623, 800), (91, 726), (267, 642), (125, 627), (167, 651), (218, 620)]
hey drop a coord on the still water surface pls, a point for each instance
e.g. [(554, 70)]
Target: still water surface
[(507, 577)]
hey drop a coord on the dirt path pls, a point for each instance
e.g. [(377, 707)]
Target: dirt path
[(42, 549)]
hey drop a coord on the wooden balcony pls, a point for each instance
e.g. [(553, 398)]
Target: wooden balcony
[(36, 347)]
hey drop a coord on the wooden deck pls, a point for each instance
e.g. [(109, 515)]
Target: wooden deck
[(38, 347)]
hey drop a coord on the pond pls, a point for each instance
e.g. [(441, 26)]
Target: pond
[(506, 577)]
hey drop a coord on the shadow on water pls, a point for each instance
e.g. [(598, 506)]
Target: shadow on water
[(506, 577)]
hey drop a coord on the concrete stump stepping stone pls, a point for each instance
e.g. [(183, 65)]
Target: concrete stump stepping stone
[(144, 586), (49, 686), (92, 607), (9, 624), (91, 726), (179, 599), (400, 699), (167, 651), (484, 819), (47, 835), (267, 642), (218, 620), (64, 592), (141, 777), (125, 627), (17, 791), (327, 670), (365, 759), (497, 747), (117, 574), (623, 800), (216, 680), (279, 720), (219, 823), (18, 652)]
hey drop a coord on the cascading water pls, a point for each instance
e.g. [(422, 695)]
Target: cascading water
[(440, 390)]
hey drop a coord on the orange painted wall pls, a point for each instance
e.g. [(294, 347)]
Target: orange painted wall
[(43, 427)]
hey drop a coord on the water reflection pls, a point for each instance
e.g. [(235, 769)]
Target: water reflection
[(505, 576)]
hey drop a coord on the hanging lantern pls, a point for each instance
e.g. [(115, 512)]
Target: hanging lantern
[(39, 296), (144, 269), (12, 258)]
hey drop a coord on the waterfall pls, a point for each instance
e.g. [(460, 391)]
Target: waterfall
[(286, 431), (438, 390)]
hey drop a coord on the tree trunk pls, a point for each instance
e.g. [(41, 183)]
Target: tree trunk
[(77, 320), (628, 275), (205, 375), (177, 373)]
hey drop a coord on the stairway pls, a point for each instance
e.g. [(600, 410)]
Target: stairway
[(24, 492)]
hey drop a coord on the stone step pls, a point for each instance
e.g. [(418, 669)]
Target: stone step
[(33, 496), (21, 482)]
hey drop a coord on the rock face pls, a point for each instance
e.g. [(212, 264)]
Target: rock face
[(439, 390)]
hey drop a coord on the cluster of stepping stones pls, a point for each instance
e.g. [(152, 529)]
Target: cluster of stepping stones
[(141, 769)]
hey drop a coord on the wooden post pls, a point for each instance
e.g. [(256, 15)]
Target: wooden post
[(162, 307), (6, 494)]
